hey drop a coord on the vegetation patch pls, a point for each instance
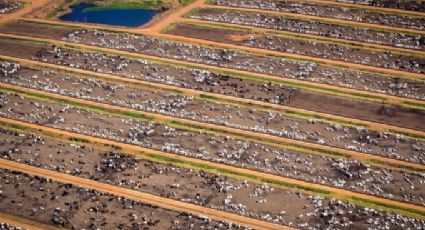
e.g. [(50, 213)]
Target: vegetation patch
[(140, 5), (416, 212), (78, 139), (185, 2)]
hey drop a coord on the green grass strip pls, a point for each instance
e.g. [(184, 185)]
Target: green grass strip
[(363, 96), (155, 157), (296, 186), (186, 2), (79, 105), (411, 135), (140, 5), (319, 20), (64, 6), (401, 168), (367, 202), (192, 127), (77, 139), (201, 166)]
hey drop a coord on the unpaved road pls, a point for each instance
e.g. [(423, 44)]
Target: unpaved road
[(155, 31), (148, 32), (337, 193), (347, 65), (371, 8), (378, 47), (138, 196), (24, 223), (390, 99), (248, 135), (163, 22), (321, 19), (229, 99), (31, 6)]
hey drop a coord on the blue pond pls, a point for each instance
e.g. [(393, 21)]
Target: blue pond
[(119, 17)]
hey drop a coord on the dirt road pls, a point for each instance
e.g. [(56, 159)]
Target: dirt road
[(139, 196), (229, 99), (367, 68), (24, 223), (322, 19), (322, 88), (373, 69), (337, 193), (163, 22), (155, 30), (367, 7), (242, 134), (381, 48), (30, 6)]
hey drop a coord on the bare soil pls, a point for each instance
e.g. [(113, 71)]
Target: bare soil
[(176, 105), (414, 5), (335, 172), (396, 39), (67, 206), (315, 49), (383, 113), (330, 11)]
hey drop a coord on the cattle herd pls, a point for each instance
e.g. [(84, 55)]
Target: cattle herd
[(238, 114)]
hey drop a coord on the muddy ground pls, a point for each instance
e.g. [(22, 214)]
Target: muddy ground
[(304, 47), (286, 68), (329, 11), (396, 39), (173, 104), (71, 207), (337, 172), (257, 201), (203, 80), (414, 5)]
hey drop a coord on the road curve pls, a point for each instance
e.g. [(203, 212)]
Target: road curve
[(29, 6), (163, 22)]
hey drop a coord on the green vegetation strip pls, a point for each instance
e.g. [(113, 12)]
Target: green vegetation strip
[(383, 164), (163, 159), (95, 108), (143, 5), (289, 113), (336, 4), (190, 127), (320, 89), (411, 135), (319, 20), (283, 34), (367, 202), (63, 7), (185, 2)]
